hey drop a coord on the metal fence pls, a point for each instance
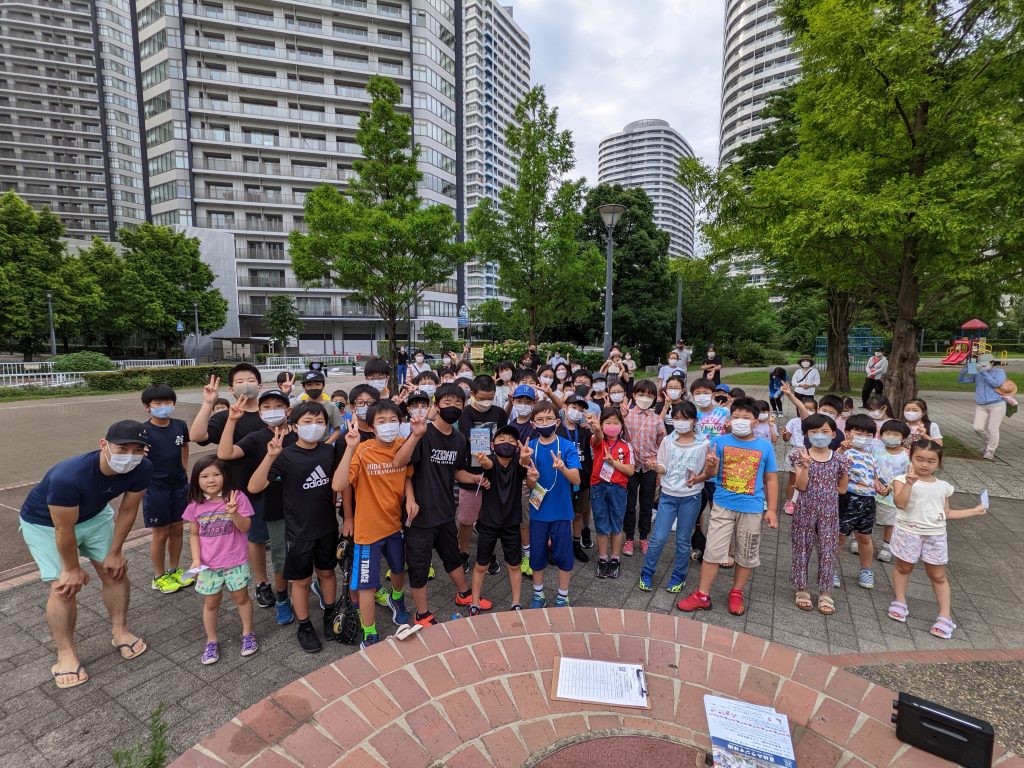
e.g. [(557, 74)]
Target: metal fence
[(169, 363), (302, 362), (46, 366), (861, 342), (41, 379)]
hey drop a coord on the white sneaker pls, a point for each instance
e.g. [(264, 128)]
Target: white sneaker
[(988, 455), (885, 555), (853, 546)]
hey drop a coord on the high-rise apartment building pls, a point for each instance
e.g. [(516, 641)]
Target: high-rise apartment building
[(250, 104), (69, 112), (646, 154), (496, 73)]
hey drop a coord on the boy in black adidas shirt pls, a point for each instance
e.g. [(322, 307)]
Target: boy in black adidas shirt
[(574, 429), (311, 521)]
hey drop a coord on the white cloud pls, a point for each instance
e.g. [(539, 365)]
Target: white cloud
[(605, 63)]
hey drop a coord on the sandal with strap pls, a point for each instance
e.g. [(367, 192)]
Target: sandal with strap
[(130, 648), (943, 627), (898, 611), (79, 675), (826, 606), (803, 601)]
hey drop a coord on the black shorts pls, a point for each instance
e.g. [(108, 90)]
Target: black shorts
[(420, 545), (487, 538), (859, 515), (164, 506), (301, 557)]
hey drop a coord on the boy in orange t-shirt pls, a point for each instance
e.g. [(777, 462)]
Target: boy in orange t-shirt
[(378, 486)]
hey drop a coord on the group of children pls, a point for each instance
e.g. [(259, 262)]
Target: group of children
[(530, 459)]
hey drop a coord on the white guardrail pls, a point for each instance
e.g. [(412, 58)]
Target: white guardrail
[(41, 374)]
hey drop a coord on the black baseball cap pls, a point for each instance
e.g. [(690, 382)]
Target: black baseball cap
[(573, 399), (314, 376), (127, 432), (275, 393), (507, 430), (418, 394)]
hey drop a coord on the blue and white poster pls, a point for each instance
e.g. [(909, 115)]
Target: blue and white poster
[(744, 735)]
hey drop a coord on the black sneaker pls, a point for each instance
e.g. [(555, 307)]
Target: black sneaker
[(578, 553), (602, 569), (493, 568), (308, 640), (330, 612), (586, 541), (474, 610), (265, 596), (516, 607), (613, 568), (466, 565)]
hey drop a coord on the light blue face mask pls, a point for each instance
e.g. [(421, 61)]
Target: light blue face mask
[(161, 411), (820, 441)]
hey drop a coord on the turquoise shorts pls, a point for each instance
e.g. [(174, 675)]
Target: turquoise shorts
[(213, 580), (94, 537)]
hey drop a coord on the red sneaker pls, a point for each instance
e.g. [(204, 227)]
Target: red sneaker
[(485, 604), (627, 548), (643, 546), (426, 621), (695, 602), (736, 604)]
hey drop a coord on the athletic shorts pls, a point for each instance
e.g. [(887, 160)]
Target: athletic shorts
[(258, 533), (859, 515), (911, 547), (213, 580), (741, 529), (559, 533), (302, 557), (525, 522), (277, 544), (469, 506), (93, 537), (163, 506), (487, 538), (885, 514), (420, 545), (366, 561), (581, 503)]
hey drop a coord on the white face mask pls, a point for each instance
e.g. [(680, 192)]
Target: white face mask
[(600, 386), (862, 442), (617, 397), (673, 362), (446, 360), (248, 391), (682, 426), (273, 417), (311, 433), (429, 389), (643, 403), (561, 374), (702, 401), (876, 415), (465, 375), (762, 417), (674, 394), (161, 411), (123, 463), (505, 376), (387, 433), (574, 415), (547, 380), (847, 414), (483, 405), (522, 410), (741, 427), (379, 384), (892, 440), (361, 411), (912, 415), (418, 413)]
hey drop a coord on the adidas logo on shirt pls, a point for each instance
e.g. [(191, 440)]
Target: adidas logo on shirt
[(316, 478)]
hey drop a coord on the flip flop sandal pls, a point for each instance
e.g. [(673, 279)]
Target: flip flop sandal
[(803, 601), (826, 606), (943, 628), (132, 653), (79, 680), (898, 611), (405, 631)]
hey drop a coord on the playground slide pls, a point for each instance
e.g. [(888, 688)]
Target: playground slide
[(955, 357)]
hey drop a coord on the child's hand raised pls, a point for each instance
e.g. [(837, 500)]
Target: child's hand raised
[(784, 388), (237, 410), (211, 391), (232, 503), (556, 461), (352, 438), (288, 384), (593, 422), (526, 453), (532, 474), (418, 426), (276, 444), (712, 462), (786, 434), (480, 457), (911, 478)]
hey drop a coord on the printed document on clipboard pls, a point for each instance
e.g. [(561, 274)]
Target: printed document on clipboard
[(600, 682)]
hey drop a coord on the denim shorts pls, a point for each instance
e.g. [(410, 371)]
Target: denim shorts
[(608, 506)]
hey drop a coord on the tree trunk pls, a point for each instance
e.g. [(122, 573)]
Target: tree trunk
[(392, 323), (901, 381), (839, 305), (532, 316)]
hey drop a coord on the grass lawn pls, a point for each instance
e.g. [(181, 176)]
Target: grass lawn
[(13, 394), (953, 448), (935, 381)]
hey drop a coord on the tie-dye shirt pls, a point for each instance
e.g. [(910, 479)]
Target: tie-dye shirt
[(712, 423)]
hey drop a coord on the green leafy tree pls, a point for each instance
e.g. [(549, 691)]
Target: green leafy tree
[(532, 232), (32, 256), (282, 320), (498, 323), (439, 338), (168, 267), (124, 297), (377, 239), (643, 291)]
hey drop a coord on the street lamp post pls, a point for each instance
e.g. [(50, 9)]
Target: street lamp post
[(610, 213), (53, 333), (195, 315)]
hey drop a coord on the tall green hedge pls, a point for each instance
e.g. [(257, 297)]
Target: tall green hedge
[(73, 362), (139, 378)]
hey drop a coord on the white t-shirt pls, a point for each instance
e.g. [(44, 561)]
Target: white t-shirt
[(925, 514), (805, 380), (668, 371), (415, 369), (681, 462), (917, 431)]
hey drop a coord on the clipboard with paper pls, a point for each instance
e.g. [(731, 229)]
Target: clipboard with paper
[(591, 681)]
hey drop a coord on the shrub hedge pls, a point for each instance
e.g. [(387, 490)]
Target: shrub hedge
[(74, 362), (139, 378)]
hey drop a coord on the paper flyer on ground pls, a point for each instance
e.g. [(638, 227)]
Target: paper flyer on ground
[(745, 735)]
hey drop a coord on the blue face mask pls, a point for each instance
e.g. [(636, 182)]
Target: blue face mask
[(820, 441), (161, 411)]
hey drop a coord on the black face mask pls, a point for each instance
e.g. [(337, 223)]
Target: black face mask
[(506, 450), (450, 413), (582, 390), (314, 394)]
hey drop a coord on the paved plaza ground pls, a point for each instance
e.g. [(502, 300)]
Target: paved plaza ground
[(41, 726)]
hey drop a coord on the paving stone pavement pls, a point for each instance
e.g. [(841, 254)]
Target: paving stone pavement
[(42, 726)]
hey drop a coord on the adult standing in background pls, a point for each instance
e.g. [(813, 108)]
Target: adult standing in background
[(805, 379), (401, 364), (685, 352), (712, 366), (989, 405), (874, 371)]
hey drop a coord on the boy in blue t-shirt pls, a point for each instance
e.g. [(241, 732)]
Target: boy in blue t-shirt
[(551, 512), (167, 495), (746, 479)]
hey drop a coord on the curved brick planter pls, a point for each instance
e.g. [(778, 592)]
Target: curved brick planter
[(474, 692)]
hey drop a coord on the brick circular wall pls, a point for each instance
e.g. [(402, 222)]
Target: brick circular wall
[(474, 692)]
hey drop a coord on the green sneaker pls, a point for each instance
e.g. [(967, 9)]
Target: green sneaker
[(382, 596), (675, 587), (524, 566), (179, 576), (166, 584), (644, 585)]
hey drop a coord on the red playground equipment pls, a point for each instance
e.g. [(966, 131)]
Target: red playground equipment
[(971, 344)]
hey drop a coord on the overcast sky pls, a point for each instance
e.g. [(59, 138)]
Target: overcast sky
[(605, 63)]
